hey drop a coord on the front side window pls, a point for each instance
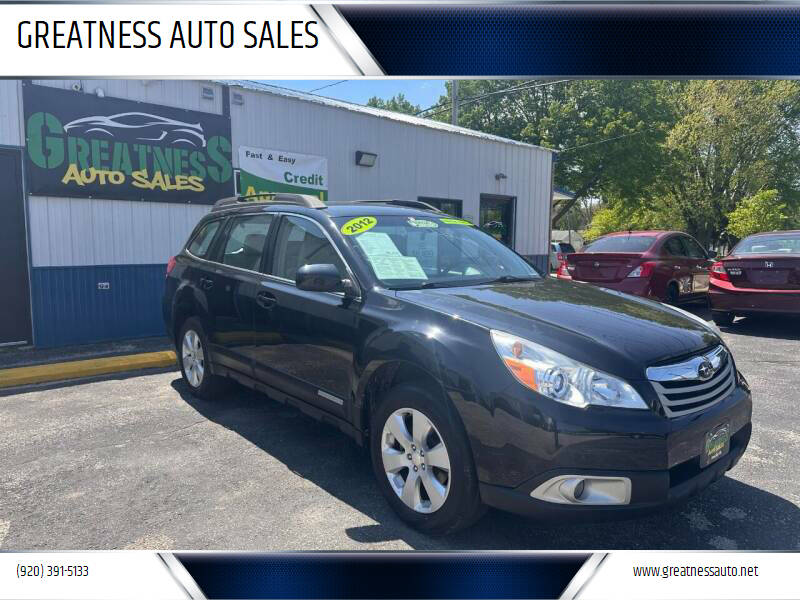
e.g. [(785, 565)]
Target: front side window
[(201, 242), (674, 247), (693, 248), (302, 242), (431, 251), (245, 243)]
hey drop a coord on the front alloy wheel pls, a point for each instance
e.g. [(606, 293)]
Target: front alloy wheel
[(193, 358), (415, 460)]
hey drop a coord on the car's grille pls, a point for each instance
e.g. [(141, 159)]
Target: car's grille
[(683, 390)]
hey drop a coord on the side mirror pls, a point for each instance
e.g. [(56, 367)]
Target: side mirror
[(318, 278), (712, 254)]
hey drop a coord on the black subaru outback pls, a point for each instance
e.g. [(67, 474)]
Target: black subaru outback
[(473, 380)]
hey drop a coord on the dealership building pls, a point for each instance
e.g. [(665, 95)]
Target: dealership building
[(104, 179)]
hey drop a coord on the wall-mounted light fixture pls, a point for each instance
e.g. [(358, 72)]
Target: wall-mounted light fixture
[(499, 176), (365, 159)]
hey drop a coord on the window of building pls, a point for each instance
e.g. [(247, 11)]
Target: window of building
[(497, 217)]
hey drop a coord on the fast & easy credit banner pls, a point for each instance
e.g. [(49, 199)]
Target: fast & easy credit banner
[(264, 170), (83, 145)]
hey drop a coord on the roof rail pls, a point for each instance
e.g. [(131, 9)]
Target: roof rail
[(395, 202), (306, 200)]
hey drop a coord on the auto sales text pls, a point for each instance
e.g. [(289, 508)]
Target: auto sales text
[(155, 34)]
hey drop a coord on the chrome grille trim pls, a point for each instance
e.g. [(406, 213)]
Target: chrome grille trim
[(682, 378)]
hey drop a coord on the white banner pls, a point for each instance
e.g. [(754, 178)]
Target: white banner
[(267, 170), (247, 41)]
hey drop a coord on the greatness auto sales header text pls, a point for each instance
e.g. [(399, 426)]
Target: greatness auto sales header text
[(80, 145), (210, 34)]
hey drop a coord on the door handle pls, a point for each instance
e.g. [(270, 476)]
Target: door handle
[(206, 283), (266, 300)]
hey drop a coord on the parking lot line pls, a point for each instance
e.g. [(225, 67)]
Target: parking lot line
[(85, 368)]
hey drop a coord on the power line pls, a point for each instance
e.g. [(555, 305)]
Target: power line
[(327, 86), (619, 137), (470, 99)]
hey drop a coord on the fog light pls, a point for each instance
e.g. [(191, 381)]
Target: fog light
[(582, 489)]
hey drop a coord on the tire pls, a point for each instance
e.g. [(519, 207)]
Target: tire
[(672, 294), (192, 357), (454, 500), (722, 318)]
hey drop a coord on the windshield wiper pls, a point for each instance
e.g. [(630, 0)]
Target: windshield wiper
[(509, 279)]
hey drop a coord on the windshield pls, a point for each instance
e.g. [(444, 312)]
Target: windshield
[(432, 251), (786, 243), (621, 243)]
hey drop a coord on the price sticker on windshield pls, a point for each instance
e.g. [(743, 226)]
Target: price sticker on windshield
[(456, 222), (359, 225)]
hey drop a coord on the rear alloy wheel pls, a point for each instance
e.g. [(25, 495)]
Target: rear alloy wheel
[(193, 357), (722, 318), (423, 461)]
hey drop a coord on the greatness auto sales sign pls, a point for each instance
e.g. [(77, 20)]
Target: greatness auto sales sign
[(81, 145)]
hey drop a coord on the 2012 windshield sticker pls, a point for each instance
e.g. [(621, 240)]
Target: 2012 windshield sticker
[(359, 225)]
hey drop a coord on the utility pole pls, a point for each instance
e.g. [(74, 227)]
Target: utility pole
[(454, 95)]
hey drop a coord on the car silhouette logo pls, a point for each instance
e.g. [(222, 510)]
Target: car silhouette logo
[(769, 264), (142, 127), (705, 370)]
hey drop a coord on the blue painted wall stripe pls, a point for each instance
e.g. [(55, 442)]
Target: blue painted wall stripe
[(68, 307)]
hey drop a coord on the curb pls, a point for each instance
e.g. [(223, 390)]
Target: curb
[(85, 368)]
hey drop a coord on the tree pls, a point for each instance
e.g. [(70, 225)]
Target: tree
[(398, 103), (760, 212), (620, 216), (609, 134), (733, 139)]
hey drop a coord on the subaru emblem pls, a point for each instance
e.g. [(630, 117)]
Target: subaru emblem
[(705, 370), (596, 264)]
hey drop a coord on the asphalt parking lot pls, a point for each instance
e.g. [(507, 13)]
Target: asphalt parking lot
[(136, 462)]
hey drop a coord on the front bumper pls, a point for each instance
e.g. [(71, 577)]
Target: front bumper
[(725, 296), (663, 467), (651, 490)]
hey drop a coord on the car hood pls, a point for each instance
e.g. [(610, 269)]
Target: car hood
[(608, 330)]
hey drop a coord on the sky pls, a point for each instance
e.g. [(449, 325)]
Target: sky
[(424, 92)]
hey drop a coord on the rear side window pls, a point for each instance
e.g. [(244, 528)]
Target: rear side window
[(201, 242), (302, 242), (245, 243), (566, 248), (622, 243)]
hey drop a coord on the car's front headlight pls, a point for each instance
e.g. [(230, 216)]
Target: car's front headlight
[(561, 378)]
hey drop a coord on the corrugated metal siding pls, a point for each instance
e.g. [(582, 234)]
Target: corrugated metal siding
[(69, 309), (83, 231), (412, 161), (10, 113), (179, 93)]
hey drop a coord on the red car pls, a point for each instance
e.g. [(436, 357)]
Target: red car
[(663, 265), (760, 275)]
